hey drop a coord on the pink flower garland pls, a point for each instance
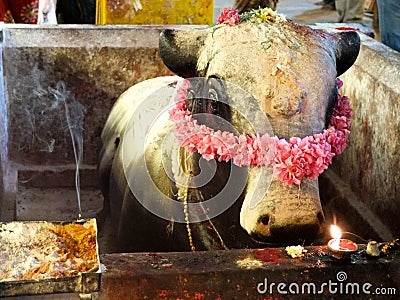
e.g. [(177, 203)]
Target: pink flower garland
[(291, 159)]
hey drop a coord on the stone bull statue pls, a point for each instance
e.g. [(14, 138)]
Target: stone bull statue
[(152, 177)]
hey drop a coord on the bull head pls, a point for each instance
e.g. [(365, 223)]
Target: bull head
[(290, 70)]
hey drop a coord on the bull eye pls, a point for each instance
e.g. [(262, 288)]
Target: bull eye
[(190, 96), (213, 96)]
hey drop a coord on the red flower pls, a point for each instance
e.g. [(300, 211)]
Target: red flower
[(229, 16)]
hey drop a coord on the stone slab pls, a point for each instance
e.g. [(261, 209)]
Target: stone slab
[(267, 273), (248, 274)]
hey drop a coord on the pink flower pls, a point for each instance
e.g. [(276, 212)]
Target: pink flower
[(319, 156), (268, 150), (343, 107), (226, 151), (181, 93), (229, 16), (176, 114), (241, 158), (289, 162), (337, 139)]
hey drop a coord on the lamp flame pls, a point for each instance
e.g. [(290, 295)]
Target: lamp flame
[(336, 232)]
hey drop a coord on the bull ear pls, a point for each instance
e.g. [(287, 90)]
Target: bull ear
[(179, 50), (347, 49)]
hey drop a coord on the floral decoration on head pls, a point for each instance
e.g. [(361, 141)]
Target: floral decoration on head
[(231, 16)]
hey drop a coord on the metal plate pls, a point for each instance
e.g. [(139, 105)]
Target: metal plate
[(78, 282)]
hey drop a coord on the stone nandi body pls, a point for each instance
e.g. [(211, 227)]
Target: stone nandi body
[(290, 70)]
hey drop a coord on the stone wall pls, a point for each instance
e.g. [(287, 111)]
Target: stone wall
[(3, 134), (371, 163), (82, 69), (57, 79)]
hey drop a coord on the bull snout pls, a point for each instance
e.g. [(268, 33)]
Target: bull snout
[(275, 229), (285, 214)]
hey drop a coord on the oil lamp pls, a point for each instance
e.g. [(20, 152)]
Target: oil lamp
[(340, 248)]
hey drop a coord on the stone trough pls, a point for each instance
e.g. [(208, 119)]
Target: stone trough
[(46, 70)]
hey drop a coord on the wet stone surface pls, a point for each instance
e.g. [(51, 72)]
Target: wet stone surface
[(247, 274)]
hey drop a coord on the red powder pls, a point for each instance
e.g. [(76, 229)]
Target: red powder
[(347, 28), (267, 255)]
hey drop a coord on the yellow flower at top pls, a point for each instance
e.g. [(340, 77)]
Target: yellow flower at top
[(263, 15)]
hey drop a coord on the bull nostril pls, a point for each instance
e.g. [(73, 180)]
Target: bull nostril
[(264, 220)]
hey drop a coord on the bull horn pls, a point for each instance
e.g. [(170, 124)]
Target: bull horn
[(179, 50), (346, 51)]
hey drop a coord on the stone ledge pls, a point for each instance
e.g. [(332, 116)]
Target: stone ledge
[(57, 176), (80, 35), (235, 274)]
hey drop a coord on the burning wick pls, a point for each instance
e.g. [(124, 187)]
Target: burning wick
[(336, 233), (340, 248)]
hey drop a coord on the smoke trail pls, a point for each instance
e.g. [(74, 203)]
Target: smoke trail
[(75, 114)]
